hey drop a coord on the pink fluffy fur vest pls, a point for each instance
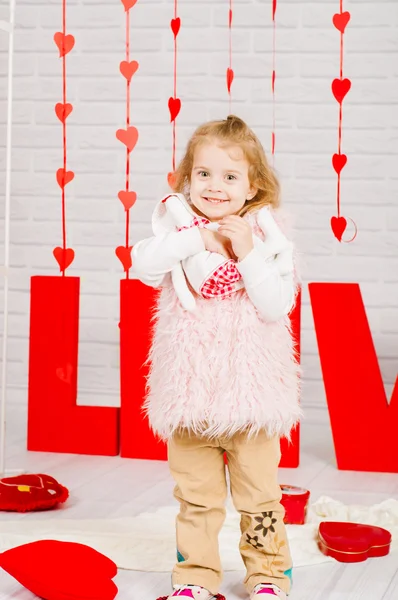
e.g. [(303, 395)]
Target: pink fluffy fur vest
[(222, 369)]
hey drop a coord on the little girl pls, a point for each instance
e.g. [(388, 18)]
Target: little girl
[(224, 378)]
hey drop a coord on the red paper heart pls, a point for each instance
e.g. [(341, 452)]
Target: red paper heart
[(340, 21), (230, 18), (64, 42), (171, 179), (63, 111), (339, 161), (62, 570), (64, 177), (65, 373), (339, 225), (63, 257), (174, 108), (128, 199), (273, 9), (175, 25), (340, 87), (128, 69), (128, 137), (230, 78), (128, 4), (29, 492), (124, 255)]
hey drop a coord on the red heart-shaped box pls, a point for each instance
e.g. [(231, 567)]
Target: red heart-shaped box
[(353, 542)]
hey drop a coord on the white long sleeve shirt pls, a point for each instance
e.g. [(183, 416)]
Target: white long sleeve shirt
[(268, 279)]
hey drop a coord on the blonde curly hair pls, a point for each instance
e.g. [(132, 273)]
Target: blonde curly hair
[(228, 132)]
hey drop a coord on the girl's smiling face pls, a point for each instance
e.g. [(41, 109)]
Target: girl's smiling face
[(219, 183)]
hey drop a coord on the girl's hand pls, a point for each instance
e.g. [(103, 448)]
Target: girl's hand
[(239, 232), (214, 242)]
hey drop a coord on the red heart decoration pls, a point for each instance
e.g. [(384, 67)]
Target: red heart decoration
[(230, 18), (339, 225), (171, 179), (353, 542), (230, 78), (128, 4), (64, 177), (340, 21), (65, 373), (340, 87), (339, 161), (63, 111), (175, 25), (128, 69), (61, 570), (63, 257), (128, 137), (174, 108), (28, 492), (273, 9), (124, 255), (64, 42), (128, 199)]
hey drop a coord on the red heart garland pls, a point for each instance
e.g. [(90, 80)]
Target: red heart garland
[(128, 69), (63, 257), (124, 255), (65, 373), (171, 179), (230, 18), (128, 137), (339, 225), (340, 21), (230, 78), (339, 161), (64, 42), (174, 108), (273, 9), (64, 177), (128, 4), (128, 199), (63, 111), (175, 25), (340, 87)]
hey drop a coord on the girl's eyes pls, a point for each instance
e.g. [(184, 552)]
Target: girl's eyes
[(200, 173)]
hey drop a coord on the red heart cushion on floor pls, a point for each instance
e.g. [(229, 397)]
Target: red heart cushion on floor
[(56, 570), (31, 492), (353, 542)]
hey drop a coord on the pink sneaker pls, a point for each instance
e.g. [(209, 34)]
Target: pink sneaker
[(192, 592), (263, 591)]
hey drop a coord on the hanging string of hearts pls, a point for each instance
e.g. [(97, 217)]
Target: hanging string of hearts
[(63, 255), (230, 72), (340, 88), (128, 137), (273, 78), (174, 102)]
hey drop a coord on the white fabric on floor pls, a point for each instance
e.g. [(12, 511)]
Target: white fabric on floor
[(147, 541)]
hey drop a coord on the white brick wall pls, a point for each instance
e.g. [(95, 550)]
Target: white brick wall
[(307, 61)]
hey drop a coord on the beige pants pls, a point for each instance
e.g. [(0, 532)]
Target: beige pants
[(198, 467)]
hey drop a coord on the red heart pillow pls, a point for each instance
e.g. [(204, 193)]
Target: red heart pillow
[(353, 542), (56, 570), (31, 492)]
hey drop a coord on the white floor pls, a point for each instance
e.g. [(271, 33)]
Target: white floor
[(116, 487)]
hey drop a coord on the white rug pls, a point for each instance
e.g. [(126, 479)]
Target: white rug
[(147, 542)]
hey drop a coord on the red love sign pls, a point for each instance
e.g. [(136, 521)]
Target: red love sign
[(174, 108), (175, 25), (64, 257), (339, 161), (230, 78), (128, 4), (124, 255), (128, 199), (339, 225), (64, 177), (128, 137), (63, 111), (171, 179), (128, 69), (64, 42), (340, 87), (340, 21)]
